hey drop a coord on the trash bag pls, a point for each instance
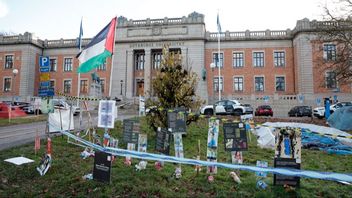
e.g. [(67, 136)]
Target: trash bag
[(341, 119)]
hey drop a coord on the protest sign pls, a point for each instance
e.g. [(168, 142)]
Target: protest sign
[(102, 167), (235, 137)]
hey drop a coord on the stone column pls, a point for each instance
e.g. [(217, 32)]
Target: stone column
[(129, 77), (147, 72)]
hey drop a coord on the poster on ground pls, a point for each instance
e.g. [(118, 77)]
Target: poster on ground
[(163, 141), (106, 114), (235, 137), (102, 167), (177, 121), (131, 129), (288, 143), (284, 179)]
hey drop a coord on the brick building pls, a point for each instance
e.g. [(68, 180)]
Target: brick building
[(280, 68)]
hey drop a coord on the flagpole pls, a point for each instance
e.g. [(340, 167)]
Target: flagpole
[(219, 72), (79, 74), (112, 58)]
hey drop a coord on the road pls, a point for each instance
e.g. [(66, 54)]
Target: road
[(16, 135)]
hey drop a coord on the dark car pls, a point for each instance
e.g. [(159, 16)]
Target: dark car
[(264, 110), (300, 111), (249, 108)]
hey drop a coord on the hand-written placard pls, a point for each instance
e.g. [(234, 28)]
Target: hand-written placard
[(163, 141), (130, 131), (235, 137), (102, 167), (283, 179), (176, 121)]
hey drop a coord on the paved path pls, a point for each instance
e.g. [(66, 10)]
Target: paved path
[(16, 135)]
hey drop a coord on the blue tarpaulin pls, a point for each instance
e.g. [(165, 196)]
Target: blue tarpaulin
[(341, 119), (324, 143)]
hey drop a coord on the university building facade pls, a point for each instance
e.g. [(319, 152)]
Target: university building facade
[(279, 68)]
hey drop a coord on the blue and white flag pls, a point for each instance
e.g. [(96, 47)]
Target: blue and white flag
[(218, 24), (80, 36)]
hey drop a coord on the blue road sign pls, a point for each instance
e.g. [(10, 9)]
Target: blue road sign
[(44, 69), (45, 92), (44, 84), (44, 61)]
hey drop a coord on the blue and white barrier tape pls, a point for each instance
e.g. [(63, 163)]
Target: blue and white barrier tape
[(156, 157)]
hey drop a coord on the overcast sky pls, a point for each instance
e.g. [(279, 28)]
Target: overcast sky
[(55, 19)]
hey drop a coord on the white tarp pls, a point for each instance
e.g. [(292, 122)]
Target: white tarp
[(266, 138), (313, 128), (56, 124)]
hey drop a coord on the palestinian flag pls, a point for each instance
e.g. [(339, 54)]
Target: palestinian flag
[(101, 47)]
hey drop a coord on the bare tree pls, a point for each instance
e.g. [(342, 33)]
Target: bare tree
[(337, 29)]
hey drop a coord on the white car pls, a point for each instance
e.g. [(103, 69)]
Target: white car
[(319, 112), (224, 107)]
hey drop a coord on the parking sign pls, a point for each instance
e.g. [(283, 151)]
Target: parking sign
[(44, 61)]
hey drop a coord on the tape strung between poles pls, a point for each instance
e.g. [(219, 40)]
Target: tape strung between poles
[(156, 157)]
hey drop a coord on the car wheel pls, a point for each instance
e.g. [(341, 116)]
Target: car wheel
[(208, 112)]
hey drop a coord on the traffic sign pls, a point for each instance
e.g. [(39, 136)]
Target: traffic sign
[(44, 77), (45, 92), (45, 84), (44, 69), (44, 61)]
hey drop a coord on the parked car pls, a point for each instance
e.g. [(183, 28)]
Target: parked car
[(300, 111), (249, 108), (264, 110), (224, 107), (319, 112)]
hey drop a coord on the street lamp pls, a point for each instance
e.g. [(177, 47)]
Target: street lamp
[(121, 82), (14, 72)]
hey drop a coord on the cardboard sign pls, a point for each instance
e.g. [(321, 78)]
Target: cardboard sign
[(163, 141), (130, 131), (142, 143), (102, 167), (235, 137), (283, 179), (178, 145), (106, 114), (212, 144), (177, 121), (288, 143)]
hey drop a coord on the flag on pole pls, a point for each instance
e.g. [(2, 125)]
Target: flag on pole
[(218, 23), (98, 49), (80, 36)]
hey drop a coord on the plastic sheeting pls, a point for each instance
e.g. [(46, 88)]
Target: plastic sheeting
[(266, 138), (327, 144), (341, 119)]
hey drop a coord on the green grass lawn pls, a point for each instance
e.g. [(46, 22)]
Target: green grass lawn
[(23, 120), (64, 178)]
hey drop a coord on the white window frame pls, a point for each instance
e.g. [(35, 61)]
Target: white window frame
[(233, 83), (3, 84), (63, 85), (13, 61), (258, 51), (284, 83), (263, 83), (223, 59), (284, 51), (63, 64), (50, 58), (244, 59), (222, 84), (325, 56)]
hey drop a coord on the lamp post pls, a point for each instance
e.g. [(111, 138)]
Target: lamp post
[(13, 90), (121, 82)]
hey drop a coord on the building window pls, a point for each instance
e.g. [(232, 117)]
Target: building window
[(238, 59), (53, 65), (218, 62), (102, 84), (259, 83), (279, 59), (280, 83), (8, 61), (139, 60), (102, 67), (67, 64), (157, 56), (238, 83), (330, 80), (52, 84), (216, 84), (329, 52), (258, 59), (84, 86), (7, 84), (67, 86)]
